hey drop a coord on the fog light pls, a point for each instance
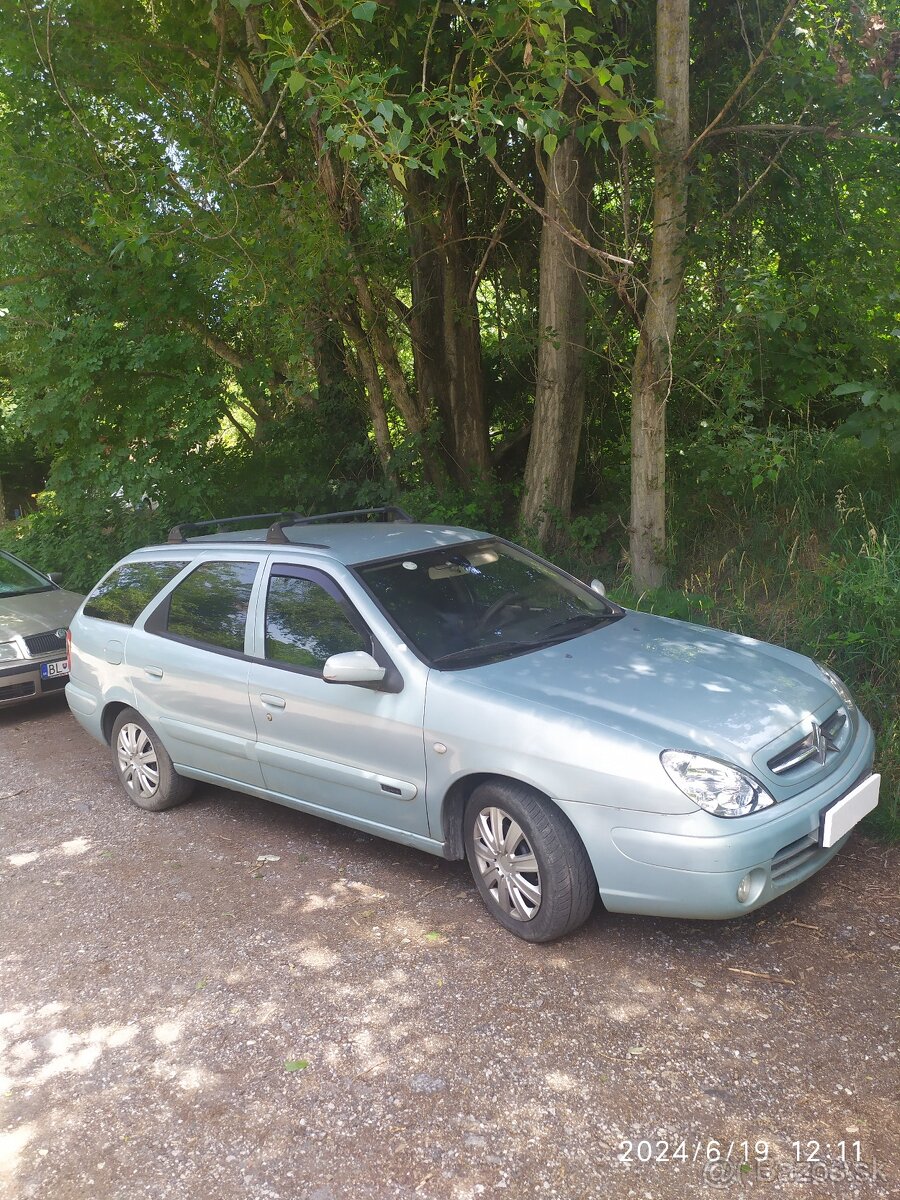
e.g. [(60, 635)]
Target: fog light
[(744, 888)]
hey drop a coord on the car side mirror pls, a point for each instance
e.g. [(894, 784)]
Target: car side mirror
[(598, 587), (55, 577), (355, 666)]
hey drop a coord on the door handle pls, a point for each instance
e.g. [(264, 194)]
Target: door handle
[(154, 672), (272, 701)]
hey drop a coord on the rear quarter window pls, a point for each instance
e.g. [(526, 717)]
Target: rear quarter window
[(124, 594)]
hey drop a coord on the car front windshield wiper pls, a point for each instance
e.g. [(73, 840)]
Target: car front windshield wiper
[(472, 654), (25, 592), (557, 632), (572, 625)]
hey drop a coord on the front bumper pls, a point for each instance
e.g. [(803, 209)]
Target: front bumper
[(21, 681), (690, 865)]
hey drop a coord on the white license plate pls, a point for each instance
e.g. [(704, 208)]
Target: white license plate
[(841, 816), (54, 670)]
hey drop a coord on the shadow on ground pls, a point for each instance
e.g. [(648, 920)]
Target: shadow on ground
[(236, 1000)]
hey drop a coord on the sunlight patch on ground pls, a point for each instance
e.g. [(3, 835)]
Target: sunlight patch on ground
[(13, 1018), (558, 1081), (195, 1079), (77, 845), (12, 1143), (29, 1060), (69, 849), (626, 1012), (318, 959)]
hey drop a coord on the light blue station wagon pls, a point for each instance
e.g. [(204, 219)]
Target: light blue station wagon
[(449, 690)]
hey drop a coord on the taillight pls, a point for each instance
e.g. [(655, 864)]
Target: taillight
[(69, 650)]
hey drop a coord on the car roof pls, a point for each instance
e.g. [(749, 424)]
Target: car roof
[(350, 543)]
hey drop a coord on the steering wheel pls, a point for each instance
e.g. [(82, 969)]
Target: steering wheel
[(496, 608)]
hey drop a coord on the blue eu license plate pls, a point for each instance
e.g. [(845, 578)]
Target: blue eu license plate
[(54, 670)]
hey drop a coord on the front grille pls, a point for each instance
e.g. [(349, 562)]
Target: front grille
[(15, 691), (821, 743), (45, 643), (794, 858)]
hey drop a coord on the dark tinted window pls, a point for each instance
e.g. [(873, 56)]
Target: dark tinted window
[(482, 601), (124, 594), (305, 625), (210, 606), (17, 579)]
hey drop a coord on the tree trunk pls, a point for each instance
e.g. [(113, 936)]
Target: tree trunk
[(2, 504), (462, 346), (375, 334), (559, 391), (386, 353), (426, 316), (332, 383), (444, 327), (373, 388), (651, 379)]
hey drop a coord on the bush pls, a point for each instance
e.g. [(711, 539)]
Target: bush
[(82, 542)]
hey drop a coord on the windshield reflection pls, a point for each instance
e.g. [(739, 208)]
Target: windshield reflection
[(482, 602), (17, 579)]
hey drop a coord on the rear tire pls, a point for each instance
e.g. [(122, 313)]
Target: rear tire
[(143, 765), (528, 862)]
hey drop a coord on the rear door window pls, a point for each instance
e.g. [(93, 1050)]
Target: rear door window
[(124, 594), (209, 606)]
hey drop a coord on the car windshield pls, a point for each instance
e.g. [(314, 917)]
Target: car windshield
[(481, 602), (18, 580)]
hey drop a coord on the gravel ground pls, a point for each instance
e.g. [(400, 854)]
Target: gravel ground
[(179, 1019)]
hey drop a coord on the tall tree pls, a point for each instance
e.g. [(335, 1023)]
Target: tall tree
[(652, 370), (562, 331)]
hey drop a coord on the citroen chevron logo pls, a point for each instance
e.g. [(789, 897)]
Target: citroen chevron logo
[(814, 747), (825, 742), (818, 743)]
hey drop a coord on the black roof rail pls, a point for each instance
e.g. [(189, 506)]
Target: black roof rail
[(389, 512), (178, 532)]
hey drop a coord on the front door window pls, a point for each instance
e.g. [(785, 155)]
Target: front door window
[(305, 624)]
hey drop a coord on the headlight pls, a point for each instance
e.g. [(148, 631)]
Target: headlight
[(719, 789), (839, 686), (9, 650)]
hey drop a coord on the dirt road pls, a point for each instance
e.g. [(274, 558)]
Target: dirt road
[(234, 1000)]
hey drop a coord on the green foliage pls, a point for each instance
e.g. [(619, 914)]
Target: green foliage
[(430, 90), (82, 541), (878, 420)]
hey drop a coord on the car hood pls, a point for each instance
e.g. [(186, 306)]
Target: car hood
[(669, 683), (22, 616)]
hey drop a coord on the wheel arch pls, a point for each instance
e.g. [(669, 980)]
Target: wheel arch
[(108, 719), (457, 796)]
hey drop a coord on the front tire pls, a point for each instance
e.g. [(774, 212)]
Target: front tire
[(143, 765), (529, 864)]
